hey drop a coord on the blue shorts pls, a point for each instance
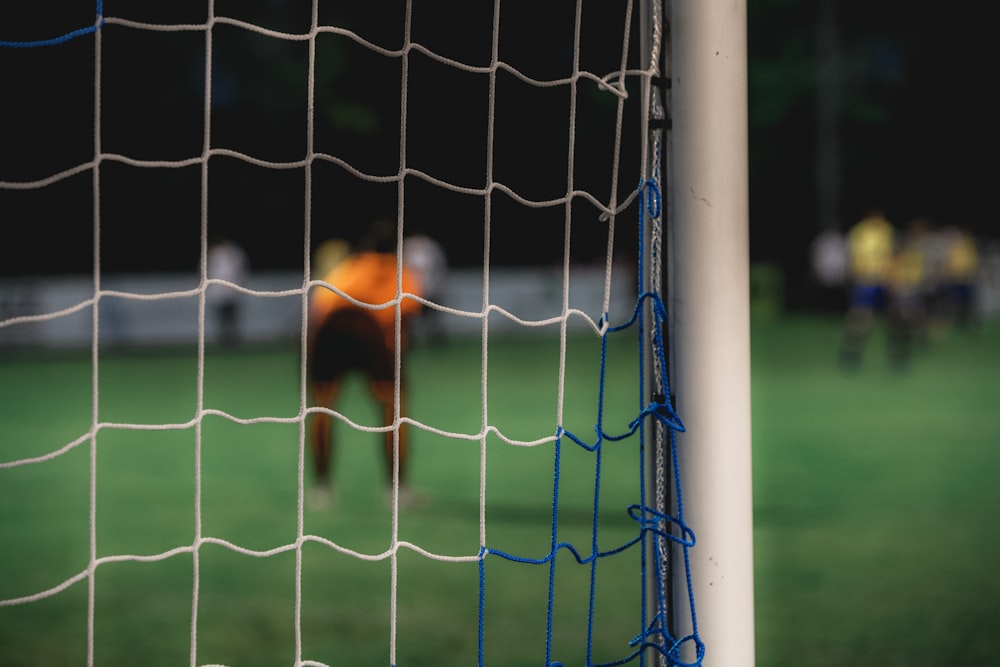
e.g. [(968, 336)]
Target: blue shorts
[(867, 296)]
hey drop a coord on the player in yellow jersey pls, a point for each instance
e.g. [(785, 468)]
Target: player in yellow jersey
[(908, 288), (959, 275), (360, 334), (870, 249)]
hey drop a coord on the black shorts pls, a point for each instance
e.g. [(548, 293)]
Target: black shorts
[(350, 339)]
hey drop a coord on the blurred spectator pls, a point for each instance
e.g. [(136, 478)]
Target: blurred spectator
[(828, 259), (425, 257), (226, 261)]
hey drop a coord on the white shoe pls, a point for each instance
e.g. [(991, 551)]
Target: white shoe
[(319, 497), (408, 498)]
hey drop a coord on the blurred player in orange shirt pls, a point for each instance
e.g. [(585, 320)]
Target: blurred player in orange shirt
[(360, 334)]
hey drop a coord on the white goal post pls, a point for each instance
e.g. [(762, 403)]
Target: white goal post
[(708, 267)]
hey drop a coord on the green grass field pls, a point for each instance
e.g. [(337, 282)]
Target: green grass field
[(874, 497)]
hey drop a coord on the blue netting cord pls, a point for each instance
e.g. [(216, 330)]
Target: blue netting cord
[(655, 527), (656, 634), (639, 424), (73, 34), (481, 639), (553, 547)]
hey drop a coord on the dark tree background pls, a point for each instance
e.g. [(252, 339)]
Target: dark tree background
[(914, 122)]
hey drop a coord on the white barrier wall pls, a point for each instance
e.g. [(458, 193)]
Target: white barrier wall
[(532, 294)]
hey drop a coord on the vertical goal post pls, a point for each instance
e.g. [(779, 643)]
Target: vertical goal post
[(696, 252), (708, 246)]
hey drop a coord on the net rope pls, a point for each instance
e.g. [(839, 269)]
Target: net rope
[(653, 524)]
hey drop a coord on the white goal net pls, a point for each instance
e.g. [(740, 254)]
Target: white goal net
[(155, 476)]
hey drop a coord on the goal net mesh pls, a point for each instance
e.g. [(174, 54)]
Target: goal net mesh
[(518, 136)]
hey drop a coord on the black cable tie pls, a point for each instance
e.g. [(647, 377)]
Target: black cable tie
[(661, 81)]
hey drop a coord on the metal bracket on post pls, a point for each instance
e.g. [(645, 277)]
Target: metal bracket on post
[(658, 127)]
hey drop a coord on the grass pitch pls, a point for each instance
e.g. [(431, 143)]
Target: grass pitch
[(875, 493), (874, 502), (164, 477)]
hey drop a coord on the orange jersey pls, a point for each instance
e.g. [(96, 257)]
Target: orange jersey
[(371, 279)]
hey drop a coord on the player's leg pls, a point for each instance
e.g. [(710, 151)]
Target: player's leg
[(325, 394), (382, 384), (226, 312), (858, 326), (384, 392), (900, 326), (397, 447), (331, 351)]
